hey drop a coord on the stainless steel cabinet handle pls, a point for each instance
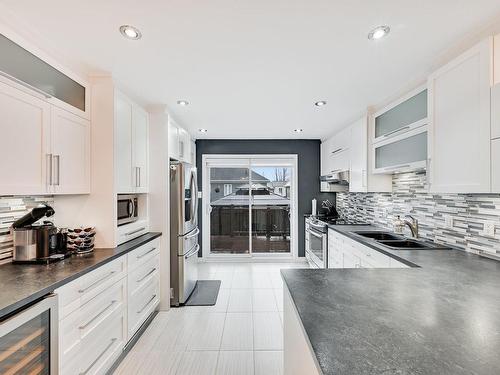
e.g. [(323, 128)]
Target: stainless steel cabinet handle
[(146, 275), (49, 166), (147, 304), (99, 356), (397, 167), (140, 182), (337, 150), (137, 177), (27, 85), (96, 282), (98, 315), (146, 253), (58, 169), (396, 131), (135, 231)]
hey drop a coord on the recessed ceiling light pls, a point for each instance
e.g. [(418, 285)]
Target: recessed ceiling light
[(201, 130), (182, 102), (130, 32), (321, 103), (298, 130), (379, 32)]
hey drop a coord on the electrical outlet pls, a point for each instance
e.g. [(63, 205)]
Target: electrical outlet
[(489, 228), (448, 221)]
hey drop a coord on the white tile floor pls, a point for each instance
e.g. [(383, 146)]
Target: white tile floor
[(241, 334)]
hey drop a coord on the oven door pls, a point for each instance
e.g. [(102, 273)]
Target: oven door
[(317, 247), (28, 340)]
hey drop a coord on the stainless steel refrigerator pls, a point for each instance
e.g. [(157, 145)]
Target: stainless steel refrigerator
[(183, 231)]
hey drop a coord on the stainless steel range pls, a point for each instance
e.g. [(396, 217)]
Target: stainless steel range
[(316, 243)]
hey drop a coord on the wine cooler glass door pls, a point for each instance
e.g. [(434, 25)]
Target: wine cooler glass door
[(28, 340)]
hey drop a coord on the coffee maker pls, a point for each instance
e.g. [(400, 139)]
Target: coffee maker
[(36, 243)]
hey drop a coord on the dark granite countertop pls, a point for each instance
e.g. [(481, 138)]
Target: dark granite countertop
[(442, 317), (23, 284)]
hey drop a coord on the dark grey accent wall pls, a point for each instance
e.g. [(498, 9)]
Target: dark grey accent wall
[(308, 152)]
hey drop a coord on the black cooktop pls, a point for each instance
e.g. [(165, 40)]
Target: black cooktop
[(339, 221)]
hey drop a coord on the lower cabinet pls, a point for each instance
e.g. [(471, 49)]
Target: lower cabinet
[(344, 252), (102, 310)]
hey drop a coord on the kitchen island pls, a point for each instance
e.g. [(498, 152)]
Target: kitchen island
[(442, 317)]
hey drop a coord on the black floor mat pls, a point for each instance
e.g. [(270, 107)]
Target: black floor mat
[(204, 293)]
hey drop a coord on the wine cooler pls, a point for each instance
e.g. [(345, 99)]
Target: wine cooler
[(28, 340)]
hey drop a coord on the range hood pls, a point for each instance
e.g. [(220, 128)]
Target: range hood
[(335, 182)]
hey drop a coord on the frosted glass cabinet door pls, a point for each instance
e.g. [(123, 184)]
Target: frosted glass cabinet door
[(25, 145), (402, 117), (401, 154), (22, 65)]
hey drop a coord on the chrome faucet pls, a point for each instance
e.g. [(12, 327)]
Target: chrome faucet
[(411, 223)]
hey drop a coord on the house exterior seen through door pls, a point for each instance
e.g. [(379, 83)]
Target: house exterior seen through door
[(249, 206)]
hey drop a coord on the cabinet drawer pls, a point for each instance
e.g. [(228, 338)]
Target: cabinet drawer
[(130, 231), (143, 273), (142, 304), (83, 328), (75, 294), (87, 320), (143, 253), (99, 352)]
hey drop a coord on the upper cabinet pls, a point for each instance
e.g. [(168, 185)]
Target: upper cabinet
[(460, 124), (70, 152), (27, 71), (46, 150), (348, 151), (179, 143), (399, 134), (131, 146)]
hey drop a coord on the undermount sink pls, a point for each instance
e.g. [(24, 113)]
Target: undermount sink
[(379, 236), (405, 244)]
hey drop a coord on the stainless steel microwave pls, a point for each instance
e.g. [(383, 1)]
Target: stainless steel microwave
[(127, 209)]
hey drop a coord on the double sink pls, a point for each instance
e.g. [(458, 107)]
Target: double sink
[(396, 242)]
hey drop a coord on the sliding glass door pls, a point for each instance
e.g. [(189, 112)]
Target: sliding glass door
[(229, 210), (249, 205), (270, 206)]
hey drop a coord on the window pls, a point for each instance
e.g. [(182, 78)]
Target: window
[(228, 189)]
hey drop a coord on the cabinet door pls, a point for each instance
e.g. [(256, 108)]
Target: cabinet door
[(325, 157), (358, 156), (495, 164), (140, 149), (459, 132), (70, 139), (24, 152), (173, 140), (184, 145), (123, 145)]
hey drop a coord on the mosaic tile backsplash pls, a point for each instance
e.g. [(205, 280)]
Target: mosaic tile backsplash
[(11, 209), (409, 197)]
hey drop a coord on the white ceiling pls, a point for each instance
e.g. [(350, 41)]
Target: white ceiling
[(254, 68)]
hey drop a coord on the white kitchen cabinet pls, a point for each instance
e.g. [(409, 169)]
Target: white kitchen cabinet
[(405, 114), (495, 162), (459, 123), (173, 139), (70, 140), (344, 252), (140, 148), (50, 146), (495, 111), (405, 152), (335, 152), (24, 155), (131, 146), (180, 143)]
